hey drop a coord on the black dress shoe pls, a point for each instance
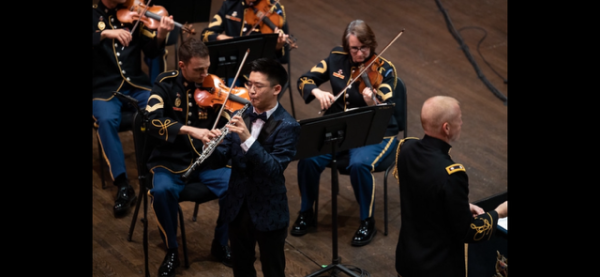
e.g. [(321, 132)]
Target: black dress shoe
[(125, 199), (169, 264), (365, 232), (222, 253), (304, 220)]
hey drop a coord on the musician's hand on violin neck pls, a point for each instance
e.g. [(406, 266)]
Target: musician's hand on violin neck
[(324, 97), (122, 35), (367, 94), (166, 25), (281, 40)]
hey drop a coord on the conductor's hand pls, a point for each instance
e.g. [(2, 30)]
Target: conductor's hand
[(123, 36), (324, 97), (502, 209), (223, 37), (238, 126), (475, 210)]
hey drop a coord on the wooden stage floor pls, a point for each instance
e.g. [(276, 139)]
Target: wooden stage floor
[(429, 60)]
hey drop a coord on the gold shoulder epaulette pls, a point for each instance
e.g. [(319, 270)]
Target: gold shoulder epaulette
[(455, 168), (341, 52), (167, 74)]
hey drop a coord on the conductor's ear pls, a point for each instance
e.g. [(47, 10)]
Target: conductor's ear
[(446, 128)]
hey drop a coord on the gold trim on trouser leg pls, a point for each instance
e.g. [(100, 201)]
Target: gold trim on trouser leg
[(373, 176), (104, 155), (158, 222)]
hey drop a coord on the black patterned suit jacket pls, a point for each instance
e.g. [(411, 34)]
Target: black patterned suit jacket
[(257, 175)]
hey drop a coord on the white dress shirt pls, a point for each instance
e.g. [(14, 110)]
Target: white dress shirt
[(256, 127)]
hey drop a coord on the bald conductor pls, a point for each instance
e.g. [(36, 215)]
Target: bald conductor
[(436, 216)]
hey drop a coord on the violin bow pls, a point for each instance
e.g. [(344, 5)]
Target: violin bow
[(230, 88), (363, 71), (138, 21)]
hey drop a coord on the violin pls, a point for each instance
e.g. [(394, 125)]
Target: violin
[(136, 10), (261, 14), (370, 75), (364, 69), (214, 92)]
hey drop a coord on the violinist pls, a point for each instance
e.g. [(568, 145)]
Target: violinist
[(343, 63), (182, 127), (234, 19), (117, 66)]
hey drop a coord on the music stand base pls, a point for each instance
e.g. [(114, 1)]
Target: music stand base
[(334, 270)]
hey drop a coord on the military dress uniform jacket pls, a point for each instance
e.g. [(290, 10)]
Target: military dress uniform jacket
[(114, 65), (337, 68), (230, 20), (257, 178), (171, 105), (436, 220)]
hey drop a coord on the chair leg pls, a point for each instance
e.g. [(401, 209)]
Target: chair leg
[(195, 212), (183, 240), (101, 163), (142, 193), (385, 203), (316, 209)]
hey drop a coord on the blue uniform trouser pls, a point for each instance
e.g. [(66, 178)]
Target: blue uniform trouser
[(165, 199), (108, 115), (362, 162)]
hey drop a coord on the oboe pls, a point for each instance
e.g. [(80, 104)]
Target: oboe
[(210, 147)]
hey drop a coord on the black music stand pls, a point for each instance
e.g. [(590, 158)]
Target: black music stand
[(338, 132), (227, 55)]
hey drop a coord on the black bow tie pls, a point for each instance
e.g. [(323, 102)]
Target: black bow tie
[(253, 116)]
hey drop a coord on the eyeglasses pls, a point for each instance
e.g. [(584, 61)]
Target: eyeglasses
[(257, 86), (355, 49)]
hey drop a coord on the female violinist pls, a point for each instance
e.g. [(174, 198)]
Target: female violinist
[(233, 20), (341, 66)]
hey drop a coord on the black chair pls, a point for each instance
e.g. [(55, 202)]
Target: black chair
[(195, 191), (389, 162), (126, 125)]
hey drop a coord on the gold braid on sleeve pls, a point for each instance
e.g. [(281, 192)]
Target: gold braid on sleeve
[(482, 230), (163, 127), (304, 81)]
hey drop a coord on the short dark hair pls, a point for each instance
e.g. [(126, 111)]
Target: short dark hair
[(363, 33), (276, 73), (192, 47)]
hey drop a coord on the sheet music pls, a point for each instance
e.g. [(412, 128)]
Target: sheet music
[(503, 222)]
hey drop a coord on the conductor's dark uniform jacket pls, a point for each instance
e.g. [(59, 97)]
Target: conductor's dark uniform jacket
[(436, 220)]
